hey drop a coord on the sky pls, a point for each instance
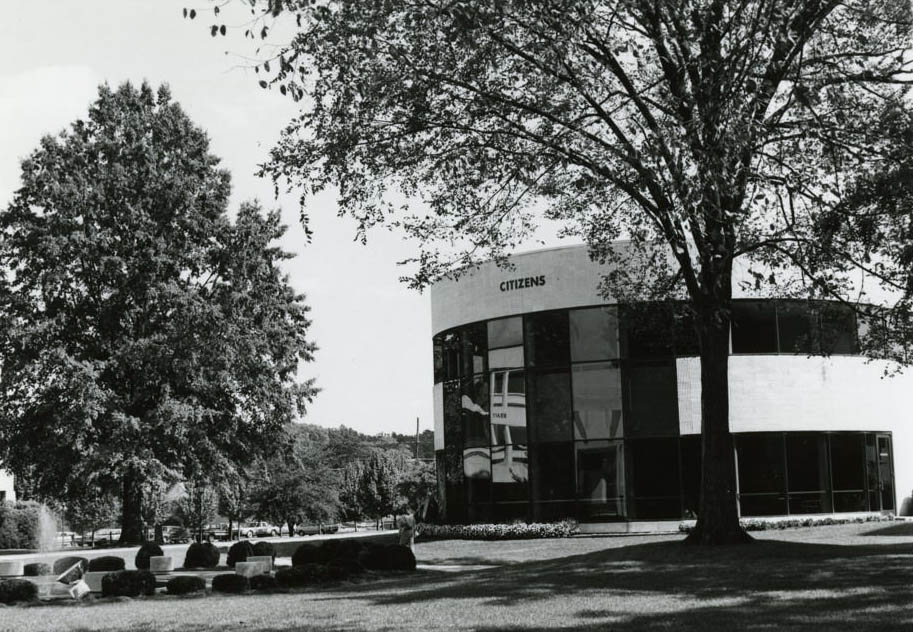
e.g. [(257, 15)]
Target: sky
[(374, 362)]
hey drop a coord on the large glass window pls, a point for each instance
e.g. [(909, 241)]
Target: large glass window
[(597, 401), (837, 328), (808, 473), (473, 353), (509, 473), (655, 330), (550, 405), (754, 327), (652, 399), (762, 475), (848, 471), (547, 339), (654, 478), (438, 359), (600, 479), (508, 407), (505, 332), (552, 471), (477, 473), (476, 415), (594, 334), (505, 358), (450, 347), (691, 475), (453, 427), (795, 324)]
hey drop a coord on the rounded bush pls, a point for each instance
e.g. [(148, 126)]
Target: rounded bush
[(202, 555), (347, 567), (185, 585), (263, 582), (239, 552), (108, 563), (230, 583), (128, 584), (37, 569), (400, 558), (296, 576), (147, 550), (373, 557), (65, 563), (265, 548), (13, 590)]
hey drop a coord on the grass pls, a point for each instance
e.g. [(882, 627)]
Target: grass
[(848, 577)]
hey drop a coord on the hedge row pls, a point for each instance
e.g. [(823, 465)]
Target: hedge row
[(516, 531), (755, 524), (19, 525)]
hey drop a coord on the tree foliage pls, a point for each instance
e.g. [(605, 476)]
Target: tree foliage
[(703, 131), (143, 335)]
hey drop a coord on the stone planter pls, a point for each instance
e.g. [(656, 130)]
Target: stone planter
[(11, 568), (265, 560), (250, 569), (160, 564), (93, 579)]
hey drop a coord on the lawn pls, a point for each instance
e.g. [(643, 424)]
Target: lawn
[(852, 577)]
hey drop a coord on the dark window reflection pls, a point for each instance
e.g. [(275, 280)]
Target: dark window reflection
[(594, 334), (453, 425), (547, 339), (838, 329), (550, 408), (552, 471), (754, 327), (600, 479), (807, 468), (476, 415), (438, 359), (795, 322), (691, 475), (762, 475), (509, 473), (477, 473), (848, 462), (652, 399), (597, 401), (655, 330), (654, 478), (474, 353), (450, 343), (505, 332)]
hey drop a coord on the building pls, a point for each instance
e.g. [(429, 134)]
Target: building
[(551, 402), (7, 490)]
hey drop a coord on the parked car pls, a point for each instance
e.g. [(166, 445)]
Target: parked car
[(217, 531), (259, 530), (175, 534), (316, 529), (101, 537)]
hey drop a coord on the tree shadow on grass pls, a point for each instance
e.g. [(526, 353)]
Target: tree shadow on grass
[(896, 529)]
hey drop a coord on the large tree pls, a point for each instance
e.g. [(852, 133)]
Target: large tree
[(143, 335), (704, 131)]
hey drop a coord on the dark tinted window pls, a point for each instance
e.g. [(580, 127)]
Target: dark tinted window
[(600, 479), (754, 328), (838, 328), (477, 473), (505, 332), (476, 414), (550, 405), (654, 478), (547, 342), (847, 462), (806, 461), (761, 466), (597, 401), (453, 430), (653, 330), (652, 400), (450, 345), (594, 334), (474, 353), (552, 471), (509, 473), (796, 324), (691, 475), (438, 346)]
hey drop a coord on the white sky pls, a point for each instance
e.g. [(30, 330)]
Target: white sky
[(374, 362)]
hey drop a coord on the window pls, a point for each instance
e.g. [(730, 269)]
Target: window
[(754, 327), (509, 473), (473, 352), (597, 401), (550, 405), (438, 345), (508, 407), (600, 479), (807, 472), (547, 339), (656, 330), (795, 326), (450, 345), (453, 431), (762, 475), (552, 471), (652, 399), (594, 334), (477, 473), (837, 328), (691, 475), (505, 358), (505, 332), (654, 478), (848, 471), (476, 415)]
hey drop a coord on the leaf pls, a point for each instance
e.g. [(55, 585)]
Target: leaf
[(193, 13), (222, 29), (263, 32), (266, 65), (216, 10), (282, 90), (213, 30), (185, 12), (263, 84)]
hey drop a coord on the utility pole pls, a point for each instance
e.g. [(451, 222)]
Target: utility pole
[(416, 438)]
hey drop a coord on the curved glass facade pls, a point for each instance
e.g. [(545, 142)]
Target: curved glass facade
[(574, 413)]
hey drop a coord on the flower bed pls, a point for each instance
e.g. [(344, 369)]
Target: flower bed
[(516, 531), (758, 524)]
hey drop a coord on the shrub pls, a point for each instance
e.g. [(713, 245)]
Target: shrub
[(265, 548), (239, 552), (516, 531), (373, 557), (759, 524), (147, 550), (13, 590), (185, 584), (65, 563), (108, 563), (202, 555), (297, 576), (263, 582), (37, 569), (305, 554), (230, 583), (19, 524), (400, 558), (128, 584)]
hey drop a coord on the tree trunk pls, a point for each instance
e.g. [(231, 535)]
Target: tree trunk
[(132, 511), (718, 517)]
